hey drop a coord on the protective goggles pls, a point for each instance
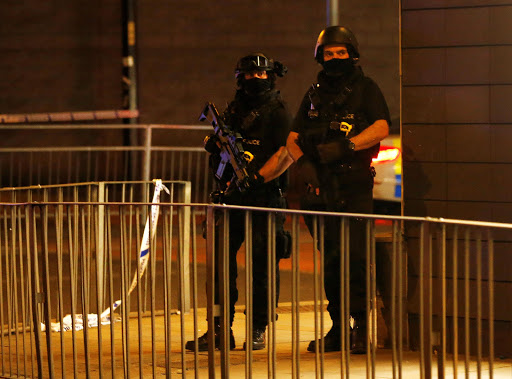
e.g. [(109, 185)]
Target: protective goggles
[(253, 63)]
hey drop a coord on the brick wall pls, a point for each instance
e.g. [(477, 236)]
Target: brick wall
[(59, 56), (66, 56)]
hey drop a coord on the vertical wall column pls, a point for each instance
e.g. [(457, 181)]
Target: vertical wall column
[(456, 128)]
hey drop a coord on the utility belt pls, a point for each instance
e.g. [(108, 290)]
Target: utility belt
[(348, 167), (270, 188), (347, 177), (274, 190)]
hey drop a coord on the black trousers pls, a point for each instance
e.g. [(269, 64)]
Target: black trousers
[(353, 202), (236, 237)]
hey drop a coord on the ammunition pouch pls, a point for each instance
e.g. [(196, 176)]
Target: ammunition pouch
[(283, 244), (310, 201), (347, 167), (204, 226)]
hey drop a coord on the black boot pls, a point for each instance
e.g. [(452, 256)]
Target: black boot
[(358, 336), (202, 342), (258, 339), (332, 341)]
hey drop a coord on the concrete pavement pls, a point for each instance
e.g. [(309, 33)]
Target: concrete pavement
[(310, 366), (146, 356)]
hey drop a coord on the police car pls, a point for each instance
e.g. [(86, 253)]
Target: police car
[(387, 190)]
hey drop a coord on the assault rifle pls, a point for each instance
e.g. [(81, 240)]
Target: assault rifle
[(230, 147)]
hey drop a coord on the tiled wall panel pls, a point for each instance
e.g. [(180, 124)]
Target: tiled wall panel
[(457, 85)]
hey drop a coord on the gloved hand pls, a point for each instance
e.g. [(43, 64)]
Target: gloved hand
[(210, 144), (308, 171), (334, 151), (255, 179)]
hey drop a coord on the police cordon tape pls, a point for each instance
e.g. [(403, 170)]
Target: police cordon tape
[(67, 116), (105, 318)]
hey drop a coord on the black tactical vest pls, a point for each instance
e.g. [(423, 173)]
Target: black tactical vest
[(335, 115), (251, 122)]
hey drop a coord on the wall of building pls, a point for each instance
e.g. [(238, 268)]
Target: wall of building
[(376, 26), (59, 56), (66, 56), (457, 124)]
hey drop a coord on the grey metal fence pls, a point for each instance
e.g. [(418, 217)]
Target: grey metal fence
[(168, 154), (49, 268)]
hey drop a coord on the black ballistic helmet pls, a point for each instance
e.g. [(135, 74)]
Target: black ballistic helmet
[(333, 35), (259, 62)]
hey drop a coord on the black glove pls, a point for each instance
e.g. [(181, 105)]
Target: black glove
[(308, 171), (255, 179), (334, 151), (210, 144)]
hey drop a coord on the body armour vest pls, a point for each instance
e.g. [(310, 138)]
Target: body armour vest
[(254, 122), (336, 114)]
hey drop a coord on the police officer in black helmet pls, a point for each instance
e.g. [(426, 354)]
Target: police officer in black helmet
[(260, 115), (336, 133)]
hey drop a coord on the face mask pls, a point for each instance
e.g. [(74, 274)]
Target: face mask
[(338, 66), (256, 86)]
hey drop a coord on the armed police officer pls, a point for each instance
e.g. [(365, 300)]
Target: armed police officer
[(336, 133), (260, 116)]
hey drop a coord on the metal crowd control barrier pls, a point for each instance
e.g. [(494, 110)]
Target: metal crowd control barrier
[(108, 192), (34, 165), (47, 266)]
